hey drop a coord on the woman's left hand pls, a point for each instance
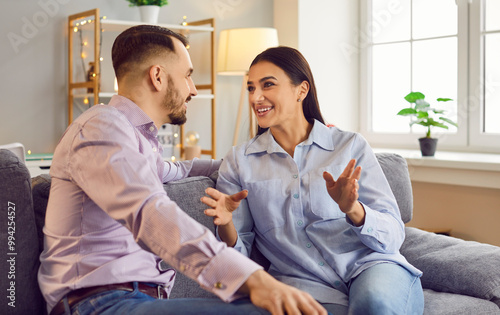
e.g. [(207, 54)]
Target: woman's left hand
[(344, 190)]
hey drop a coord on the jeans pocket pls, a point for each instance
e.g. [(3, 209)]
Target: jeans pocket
[(99, 302)]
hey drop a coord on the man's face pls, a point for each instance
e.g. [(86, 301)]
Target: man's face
[(180, 85), (175, 104)]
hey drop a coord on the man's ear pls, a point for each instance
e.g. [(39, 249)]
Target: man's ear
[(155, 75)]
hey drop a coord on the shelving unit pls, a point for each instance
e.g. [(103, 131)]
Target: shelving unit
[(93, 22)]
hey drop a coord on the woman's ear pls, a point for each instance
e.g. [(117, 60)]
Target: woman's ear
[(156, 78), (303, 90)]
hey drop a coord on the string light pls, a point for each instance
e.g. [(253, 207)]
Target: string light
[(85, 101)]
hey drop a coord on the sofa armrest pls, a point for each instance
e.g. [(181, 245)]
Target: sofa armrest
[(453, 265)]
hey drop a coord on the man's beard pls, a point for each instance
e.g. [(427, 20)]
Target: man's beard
[(175, 104)]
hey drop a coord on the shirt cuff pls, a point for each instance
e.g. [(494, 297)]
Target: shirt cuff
[(226, 273)]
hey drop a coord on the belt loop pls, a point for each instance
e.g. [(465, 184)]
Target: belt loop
[(160, 290), (67, 310)]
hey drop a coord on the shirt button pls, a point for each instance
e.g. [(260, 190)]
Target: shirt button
[(154, 149), (296, 196), (308, 245), (299, 223), (151, 128), (321, 263), (369, 230), (337, 283), (295, 176)]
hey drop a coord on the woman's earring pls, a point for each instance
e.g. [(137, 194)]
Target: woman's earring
[(299, 100)]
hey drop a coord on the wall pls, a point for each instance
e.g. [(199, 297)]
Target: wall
[(471, 213), (33, 61), (321, 29)]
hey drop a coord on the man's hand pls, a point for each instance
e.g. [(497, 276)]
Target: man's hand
[(278, 298), (222, 205), (344, 191)]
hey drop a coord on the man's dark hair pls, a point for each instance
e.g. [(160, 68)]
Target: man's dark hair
[(139, 43), (296, 67)]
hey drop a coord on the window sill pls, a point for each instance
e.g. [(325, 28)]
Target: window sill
[(452, 168)]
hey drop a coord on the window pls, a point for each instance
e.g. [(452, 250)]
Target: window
[(444, 49)]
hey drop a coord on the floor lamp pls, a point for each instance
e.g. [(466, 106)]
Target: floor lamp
[(237, 48)]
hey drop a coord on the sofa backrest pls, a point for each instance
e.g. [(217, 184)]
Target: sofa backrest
[(18, 240), (395, 169), (186, 193)]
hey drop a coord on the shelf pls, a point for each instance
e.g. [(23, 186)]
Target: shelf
[(92, 22), (119, 26)]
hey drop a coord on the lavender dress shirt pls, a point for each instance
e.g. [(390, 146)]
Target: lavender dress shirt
[(109, 219)]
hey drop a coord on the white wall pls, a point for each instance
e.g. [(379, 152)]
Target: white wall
[(321, 29), (33, 91)]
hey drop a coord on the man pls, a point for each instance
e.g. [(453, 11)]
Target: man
[(109, 221)]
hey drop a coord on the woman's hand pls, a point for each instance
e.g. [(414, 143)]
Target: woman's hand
[(344, 191), (222, 205), (221, 209)]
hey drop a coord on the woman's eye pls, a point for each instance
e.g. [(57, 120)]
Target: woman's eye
[(250, 88), (268, 84)]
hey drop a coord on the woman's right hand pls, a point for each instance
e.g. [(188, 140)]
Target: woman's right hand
[(222, 205)]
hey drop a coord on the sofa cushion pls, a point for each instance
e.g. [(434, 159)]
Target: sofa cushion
[(453, 265), (19, 263), (395, 169), (40, 188), (187, 193), (441, 303)]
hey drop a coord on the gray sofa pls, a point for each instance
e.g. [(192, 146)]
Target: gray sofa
[(460, 277)]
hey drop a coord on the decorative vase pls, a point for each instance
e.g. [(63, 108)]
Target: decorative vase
[(149, 13), (428, 146)]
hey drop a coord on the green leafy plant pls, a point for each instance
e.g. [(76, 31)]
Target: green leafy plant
[(424, 114), (137, 3)]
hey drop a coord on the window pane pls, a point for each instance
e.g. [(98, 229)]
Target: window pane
[(433, 18), (390, 20), (435, 74), (492, 84), (491, 14), (391, 82)]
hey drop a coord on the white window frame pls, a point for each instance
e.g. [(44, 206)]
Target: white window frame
[(469, 137)]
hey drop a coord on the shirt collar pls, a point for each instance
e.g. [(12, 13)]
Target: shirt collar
[(134, 113), (320, 135)]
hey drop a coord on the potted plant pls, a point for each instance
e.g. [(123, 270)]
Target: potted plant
[(425, 115), (149, 9)]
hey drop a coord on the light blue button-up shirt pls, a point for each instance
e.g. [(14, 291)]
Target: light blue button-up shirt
[(309, 241)]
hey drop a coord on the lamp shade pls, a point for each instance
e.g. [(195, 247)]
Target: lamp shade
[(239, 46)]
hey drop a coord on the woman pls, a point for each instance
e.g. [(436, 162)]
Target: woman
[(337, 239)]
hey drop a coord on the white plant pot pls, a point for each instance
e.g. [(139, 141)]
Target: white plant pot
[(149, 13)]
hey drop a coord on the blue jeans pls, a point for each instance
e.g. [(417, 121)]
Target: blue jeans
[(136, 302), (383, 289)]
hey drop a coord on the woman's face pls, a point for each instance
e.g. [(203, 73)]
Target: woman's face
[(272, 95)]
